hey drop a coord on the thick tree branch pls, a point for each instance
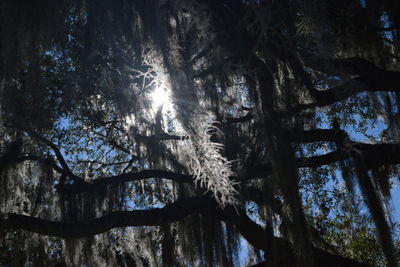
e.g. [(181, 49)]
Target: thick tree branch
[(258, 171), (266, 197), (317, 135), (152, 217), (370, 78), (378, 154), (339, 66), (176, 211), (316, 161), (283, 255), (374, 155), (126, 177), (381, 81)]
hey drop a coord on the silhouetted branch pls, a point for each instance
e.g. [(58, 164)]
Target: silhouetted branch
[(374, 155), (176, 211), (125, 177), (382, 81), (278, 248), (55, 149), (371, 78), (338, 66), (152, 217), (317, 161), (317, 135)]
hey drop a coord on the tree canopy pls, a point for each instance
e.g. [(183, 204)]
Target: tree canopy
[(199, 132)]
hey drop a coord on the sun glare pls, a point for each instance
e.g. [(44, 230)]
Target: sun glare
[(159, 97)]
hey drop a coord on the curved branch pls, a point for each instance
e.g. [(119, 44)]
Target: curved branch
[(374, 155), (388, 81), (152, 217), (125, 177), (257, 237), (255, 172), (176, 211), (371, 78)]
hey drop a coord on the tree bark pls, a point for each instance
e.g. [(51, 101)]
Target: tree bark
[(251, 231)]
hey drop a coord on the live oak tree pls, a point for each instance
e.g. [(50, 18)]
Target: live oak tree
[(257, 134)]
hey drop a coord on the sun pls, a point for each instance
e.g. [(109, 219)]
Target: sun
[(159, 97)]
